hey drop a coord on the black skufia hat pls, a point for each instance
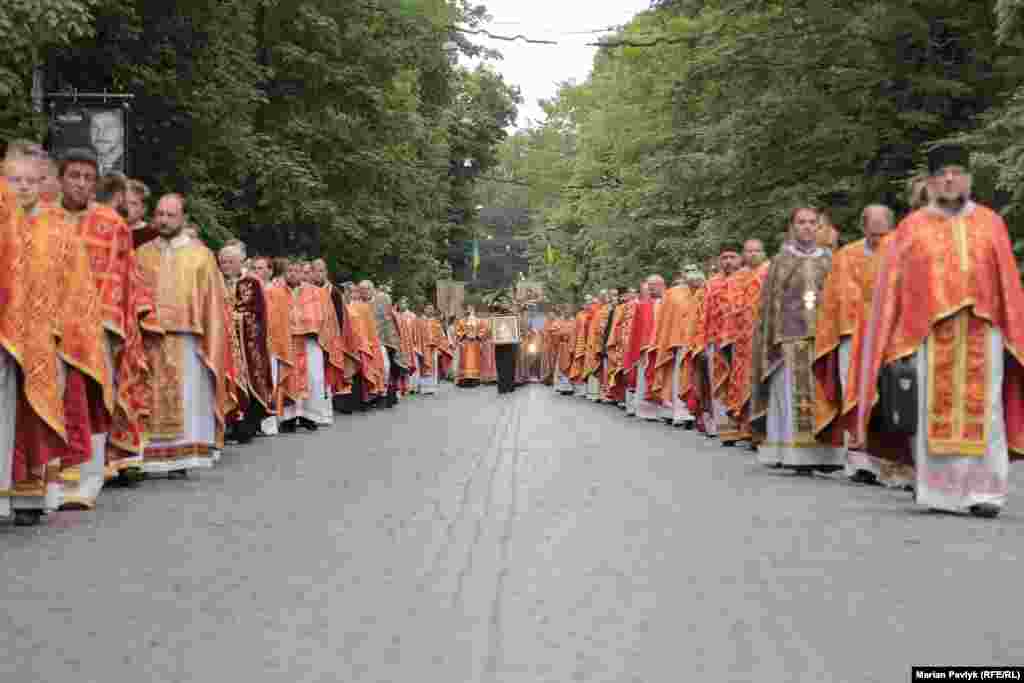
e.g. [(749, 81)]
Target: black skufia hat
[(948, 155)]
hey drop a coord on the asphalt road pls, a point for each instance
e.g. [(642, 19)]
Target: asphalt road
[(525, 538)]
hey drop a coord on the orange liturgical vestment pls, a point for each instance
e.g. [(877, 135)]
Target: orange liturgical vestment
[(673, 320), (615, 388), (52, 327), (566, 332), (845, 305), (364, 321), (311, 315), (595, 338), (579, 352), (692, 375), (435, 340)]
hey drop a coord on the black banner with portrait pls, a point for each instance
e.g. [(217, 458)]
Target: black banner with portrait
[(100, 126)]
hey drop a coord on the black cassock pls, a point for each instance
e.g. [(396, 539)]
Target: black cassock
[(505, 360)]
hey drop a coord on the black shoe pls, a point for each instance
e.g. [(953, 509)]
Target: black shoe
[(27, 517), (985, 510), (129, 478), (306, 423), (865, 477), (287, 427), (728, 444), (178, 474)]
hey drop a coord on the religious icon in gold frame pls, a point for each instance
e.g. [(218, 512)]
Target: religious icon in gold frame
[(505, 329)]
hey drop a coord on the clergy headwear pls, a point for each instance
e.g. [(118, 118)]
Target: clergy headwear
[(948, 155)]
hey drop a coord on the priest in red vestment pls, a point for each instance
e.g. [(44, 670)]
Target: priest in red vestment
[(116, 421), (948, 310)]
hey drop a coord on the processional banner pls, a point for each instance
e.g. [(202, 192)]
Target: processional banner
[(451, 296)]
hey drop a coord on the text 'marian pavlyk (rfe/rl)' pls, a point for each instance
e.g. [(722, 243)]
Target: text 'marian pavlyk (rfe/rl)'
[(967, 673)]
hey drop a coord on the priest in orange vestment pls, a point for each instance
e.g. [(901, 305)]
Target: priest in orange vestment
[(845, 303), (592, 356), (409, 347), (615, 386), (674, 319), (373, 362), (279, 341), (342, 364), (949, 304), (745, 306), (314, 333), (190, 358), (577, 373), (437, 352), (565, 340), (48, 369)]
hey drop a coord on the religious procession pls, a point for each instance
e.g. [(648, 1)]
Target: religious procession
[(894, 360), (130, 350)]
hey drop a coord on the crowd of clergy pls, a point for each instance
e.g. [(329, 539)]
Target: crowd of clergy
[(896, 360), (129, 349)]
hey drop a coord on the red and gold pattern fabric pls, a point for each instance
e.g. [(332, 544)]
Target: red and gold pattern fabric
[(250, 313), (745, 306), (640, 334), (125, 303), (713, 308), (946, 281)]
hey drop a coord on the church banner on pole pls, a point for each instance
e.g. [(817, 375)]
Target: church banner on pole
[(451, 296)]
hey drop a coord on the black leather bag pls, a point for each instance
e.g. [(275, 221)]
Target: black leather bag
[(898, 397)]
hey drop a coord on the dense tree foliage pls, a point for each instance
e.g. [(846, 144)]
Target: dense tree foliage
[(705, 121), (304, 127)]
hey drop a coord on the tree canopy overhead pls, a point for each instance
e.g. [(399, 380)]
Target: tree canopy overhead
[(709, 119), (316, 127)]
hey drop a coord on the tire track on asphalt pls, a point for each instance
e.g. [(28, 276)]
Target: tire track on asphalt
[(460, 511), (496, 634), (467, 565)]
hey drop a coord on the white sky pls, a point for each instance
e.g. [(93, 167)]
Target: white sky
[(538, 69)]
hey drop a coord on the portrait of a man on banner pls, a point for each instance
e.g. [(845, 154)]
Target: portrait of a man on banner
[(97, 127)]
